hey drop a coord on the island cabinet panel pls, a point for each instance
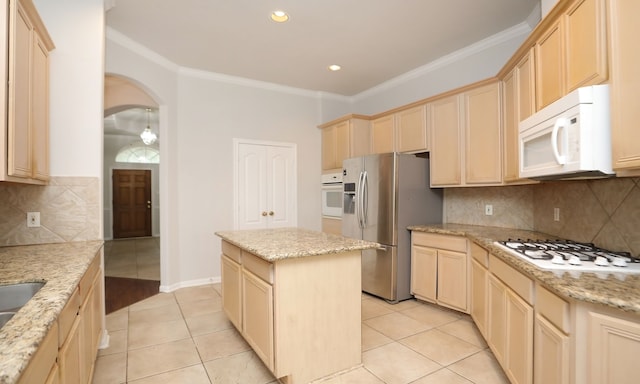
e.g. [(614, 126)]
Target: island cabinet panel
[(43, 367), (301, 315)]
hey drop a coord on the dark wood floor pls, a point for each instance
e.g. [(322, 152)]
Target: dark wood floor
[(120, 292)]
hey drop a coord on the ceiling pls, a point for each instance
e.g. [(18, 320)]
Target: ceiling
[(373, 40)]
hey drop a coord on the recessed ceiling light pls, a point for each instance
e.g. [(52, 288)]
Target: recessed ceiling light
[(334, 67), (279, 16)]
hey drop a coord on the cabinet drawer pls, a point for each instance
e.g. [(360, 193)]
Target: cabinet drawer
[(68, 316), (434, 240), (259, 267), (518, 282), (480, 255), (553, 308), (231, 251)]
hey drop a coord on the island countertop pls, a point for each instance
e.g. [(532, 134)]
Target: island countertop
[(285, 243), (60, 266), (611, 291)]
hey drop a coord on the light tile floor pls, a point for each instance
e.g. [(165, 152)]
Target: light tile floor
[(137, 258), (184, 337)]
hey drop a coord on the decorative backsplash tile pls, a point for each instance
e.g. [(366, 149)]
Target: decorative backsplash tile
[(69, 211), (605, 212)]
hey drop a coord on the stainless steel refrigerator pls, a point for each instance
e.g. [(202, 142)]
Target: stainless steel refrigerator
[(383, 194)]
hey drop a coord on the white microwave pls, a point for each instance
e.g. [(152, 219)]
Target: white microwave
[(570, 138), (332, 195)]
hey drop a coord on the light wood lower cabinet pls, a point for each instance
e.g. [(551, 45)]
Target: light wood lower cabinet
[(479, 287), (551, 360), (613, 347), (81, 328), (302, 316), (439, 269), (43, 368)]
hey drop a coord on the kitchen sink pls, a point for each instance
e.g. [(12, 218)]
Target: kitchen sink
[(14, 296)]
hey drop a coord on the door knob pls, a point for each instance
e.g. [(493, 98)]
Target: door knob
[(270, 213), (264, 213)]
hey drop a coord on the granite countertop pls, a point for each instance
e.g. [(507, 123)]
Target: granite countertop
[(587, 287), (60, 266), (285, 243)]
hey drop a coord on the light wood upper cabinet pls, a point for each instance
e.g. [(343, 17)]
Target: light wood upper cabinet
[(446, 141), (466, 137), (403, 131), (572, 52), (25, 138), (483, 145), (383, 134), (518, 103), (550, 66), (411, 134), (625, 86), (342, 140), (586, 43)]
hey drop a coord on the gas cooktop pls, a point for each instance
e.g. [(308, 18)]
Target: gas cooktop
[(567, 255)]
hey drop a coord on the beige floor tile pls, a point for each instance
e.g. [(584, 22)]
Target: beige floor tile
[(146, 334), (202, 292), (208, 323), (396, 364), (218, 288), (466, 330), (440, 347), (443, 376), (373, 308), (154, 301), (372, 338), (220, 344), (201, 307), (111, 369), (161, 358), (481, 368), (148, 272), (160, 314), (245, 367), (118, 320), (431, 315), (356, 376), (195, 374), (117, 343), (405, 304), (396, 325)]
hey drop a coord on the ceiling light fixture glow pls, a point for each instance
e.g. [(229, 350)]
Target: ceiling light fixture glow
[(334, 67), (279, 16), (147, 136)]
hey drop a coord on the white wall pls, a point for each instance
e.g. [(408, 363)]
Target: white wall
[(77, 76)]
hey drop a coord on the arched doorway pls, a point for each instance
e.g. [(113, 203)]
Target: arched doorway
[(132, 254)]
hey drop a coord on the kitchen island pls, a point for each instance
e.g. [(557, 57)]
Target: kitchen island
[(295, 296)]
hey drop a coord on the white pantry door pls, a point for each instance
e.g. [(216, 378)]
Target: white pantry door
[(265, 187)]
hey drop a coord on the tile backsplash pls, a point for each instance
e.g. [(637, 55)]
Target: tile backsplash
[(69, 211), (605, 212)]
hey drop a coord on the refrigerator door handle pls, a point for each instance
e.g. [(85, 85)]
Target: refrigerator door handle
[(359, 200), (364, 198)]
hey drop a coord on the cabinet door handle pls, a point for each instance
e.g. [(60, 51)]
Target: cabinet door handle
[(264, 213), (271, 213)]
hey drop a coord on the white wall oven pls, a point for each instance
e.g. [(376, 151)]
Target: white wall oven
[(332, 195)]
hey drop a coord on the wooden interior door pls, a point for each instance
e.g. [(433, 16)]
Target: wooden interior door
[(131, 203)]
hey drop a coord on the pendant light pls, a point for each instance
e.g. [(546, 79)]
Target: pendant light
[(147, 136)]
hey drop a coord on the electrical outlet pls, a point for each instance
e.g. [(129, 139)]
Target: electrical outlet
[(556, 214), (33, 219), (488, 209)]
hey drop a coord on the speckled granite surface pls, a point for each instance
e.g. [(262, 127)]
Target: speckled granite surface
[(59, 265), (588, 287), (284, 243)]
